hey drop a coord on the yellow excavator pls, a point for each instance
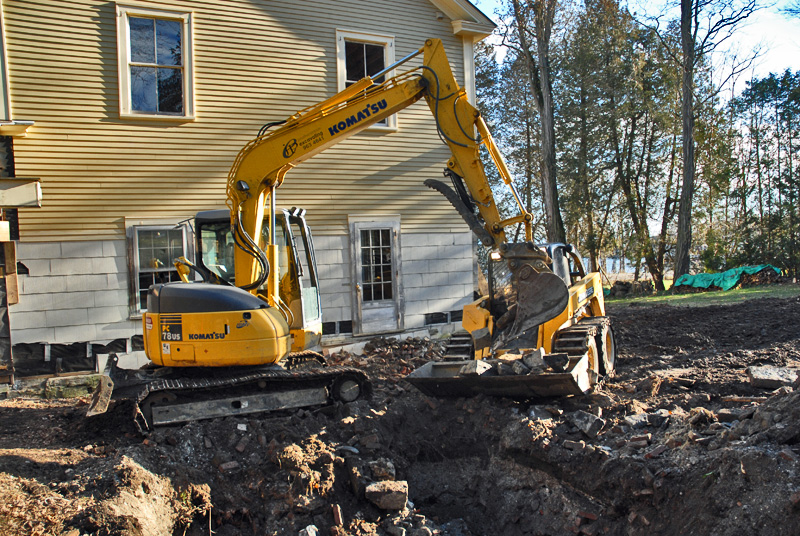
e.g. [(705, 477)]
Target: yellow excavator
[(217, 347)]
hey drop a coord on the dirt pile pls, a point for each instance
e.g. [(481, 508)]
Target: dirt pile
[(678, 442), (624, 289)]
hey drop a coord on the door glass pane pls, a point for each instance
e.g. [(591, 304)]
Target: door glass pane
[(376, 265)]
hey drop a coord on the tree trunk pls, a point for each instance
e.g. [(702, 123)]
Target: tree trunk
[(539, 76), (684, 242)]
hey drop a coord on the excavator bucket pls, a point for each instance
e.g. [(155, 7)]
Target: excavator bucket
[(540, 297)]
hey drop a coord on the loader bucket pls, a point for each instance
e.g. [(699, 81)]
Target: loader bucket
[(449, 379)]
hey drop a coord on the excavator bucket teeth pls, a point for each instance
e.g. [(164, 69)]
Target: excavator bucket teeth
[(101, 396)]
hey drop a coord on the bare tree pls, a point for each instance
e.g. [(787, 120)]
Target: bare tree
[(704, 26), (543, 14)]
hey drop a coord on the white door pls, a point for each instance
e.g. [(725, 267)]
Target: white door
[(377, 292)]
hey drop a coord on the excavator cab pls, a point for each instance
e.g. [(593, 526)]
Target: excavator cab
[(299, 284)]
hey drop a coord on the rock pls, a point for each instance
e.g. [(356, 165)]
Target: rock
[(396, 530), (534, 360), (336, 512), (539, 413), (656, 452), (587, 423), (557, 362), (207, 442), (505, 370), (729, 415), (771, 377), (640, 444), (228, 466), (475, 368), (639, 420), (388, 495), (788, 455), (382, 469), (370, 442), (574, 445), (519, 368), (658, 418), (310, 530)]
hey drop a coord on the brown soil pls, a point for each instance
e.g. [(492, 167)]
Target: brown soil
[(688, 446)]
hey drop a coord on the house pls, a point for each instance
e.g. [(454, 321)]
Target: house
[(131, 114)]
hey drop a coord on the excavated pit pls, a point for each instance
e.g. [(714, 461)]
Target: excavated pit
[(678, 442)]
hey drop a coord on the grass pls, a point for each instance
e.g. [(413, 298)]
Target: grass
[(719, 297)]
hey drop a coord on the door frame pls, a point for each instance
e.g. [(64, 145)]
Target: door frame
[(356, 224)]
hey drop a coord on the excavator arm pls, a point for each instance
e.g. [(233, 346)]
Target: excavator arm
[(261, 166)]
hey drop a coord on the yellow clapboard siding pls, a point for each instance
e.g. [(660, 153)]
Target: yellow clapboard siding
[(255, 61)]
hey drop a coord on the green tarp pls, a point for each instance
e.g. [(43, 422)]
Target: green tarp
[(724, 280)]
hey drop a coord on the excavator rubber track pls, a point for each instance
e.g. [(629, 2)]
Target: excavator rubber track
[(165, 395)]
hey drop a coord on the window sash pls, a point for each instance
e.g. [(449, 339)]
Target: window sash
[(164, 273), (163, 95), (386, 42)]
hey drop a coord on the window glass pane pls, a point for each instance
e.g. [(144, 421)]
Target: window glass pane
[(365, 239), (386, 273), (376, 237), (385, 237), (354, 61), (168, 42), (143, 89), (170, 91), (376, 256), (367, 293), (142, 40), (365, 256), (374, 59), (387, 291), (160, 238)]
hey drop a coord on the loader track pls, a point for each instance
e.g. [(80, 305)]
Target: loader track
[(592, 335)]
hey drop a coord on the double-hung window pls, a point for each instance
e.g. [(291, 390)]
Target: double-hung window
[(361, 54), (154, 248), (155, 63)]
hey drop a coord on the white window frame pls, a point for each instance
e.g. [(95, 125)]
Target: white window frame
[(387, 42), (124, 12), (133, 229)]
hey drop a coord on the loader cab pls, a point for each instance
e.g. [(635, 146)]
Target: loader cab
[(566, 263), (299, 284)]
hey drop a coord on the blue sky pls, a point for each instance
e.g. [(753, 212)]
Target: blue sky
[(778, 36)]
